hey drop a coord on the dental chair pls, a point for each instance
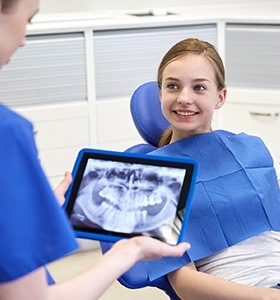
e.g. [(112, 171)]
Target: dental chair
[(147, 116), (148, 119)]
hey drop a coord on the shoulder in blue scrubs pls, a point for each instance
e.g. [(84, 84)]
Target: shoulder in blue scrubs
[(33, 228)]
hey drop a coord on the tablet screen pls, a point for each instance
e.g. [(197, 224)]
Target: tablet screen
[(123, 195)]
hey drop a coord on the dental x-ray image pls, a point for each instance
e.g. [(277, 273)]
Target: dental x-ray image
[(129, 198)]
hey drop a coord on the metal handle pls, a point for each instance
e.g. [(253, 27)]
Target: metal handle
[(259, 114)]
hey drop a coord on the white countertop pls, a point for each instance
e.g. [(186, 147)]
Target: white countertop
[(260, 13)]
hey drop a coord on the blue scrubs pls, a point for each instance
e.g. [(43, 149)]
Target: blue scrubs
[(33, 228), (236, 194)]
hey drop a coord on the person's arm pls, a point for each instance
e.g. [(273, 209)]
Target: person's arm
[(94, 281), (190, 284), (91, 283)]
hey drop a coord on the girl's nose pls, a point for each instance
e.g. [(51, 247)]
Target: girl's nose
[(185, 97)]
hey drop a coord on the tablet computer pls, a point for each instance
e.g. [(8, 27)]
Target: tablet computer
[(118, 195)]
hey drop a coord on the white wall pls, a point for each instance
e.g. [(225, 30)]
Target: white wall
[(83, 5)]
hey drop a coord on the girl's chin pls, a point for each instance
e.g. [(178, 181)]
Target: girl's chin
[(185, 133)]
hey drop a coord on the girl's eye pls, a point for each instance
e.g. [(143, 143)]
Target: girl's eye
[(199, 87), (172, 86)]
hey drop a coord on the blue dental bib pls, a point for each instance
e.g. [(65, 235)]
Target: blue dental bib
[(236, 195)]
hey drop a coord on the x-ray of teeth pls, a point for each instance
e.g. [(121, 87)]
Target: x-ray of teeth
[(127, 198)]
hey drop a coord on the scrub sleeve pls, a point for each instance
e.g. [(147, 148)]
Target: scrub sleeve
[(34, 230)]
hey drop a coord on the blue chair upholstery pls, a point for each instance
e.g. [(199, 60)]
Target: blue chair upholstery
[(137, 277), (146, 113)]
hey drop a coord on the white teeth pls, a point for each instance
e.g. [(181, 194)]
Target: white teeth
[(130, 213), (138, 216), (123, 221), (183, 113), (144, 216), (102, 209), (145, 201), (112, 194), (155, 199), (140, 200), (103, 193), (137, 199)]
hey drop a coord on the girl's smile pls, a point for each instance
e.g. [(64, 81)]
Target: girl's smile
[(187, 114)]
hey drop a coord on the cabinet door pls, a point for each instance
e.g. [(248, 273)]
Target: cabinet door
[(116, 130), (126, 58), (46, 82), (49, 69), (256, 119), (252, 55), (60, 132), (252, 59)]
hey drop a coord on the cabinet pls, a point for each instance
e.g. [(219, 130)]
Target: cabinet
[(252, 59), (74, 80), (75, 86), (252, 55), (50, 69), (60, 132), (46, 82), (126, 58), (244, 113)]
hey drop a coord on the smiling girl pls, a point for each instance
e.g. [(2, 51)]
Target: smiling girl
[(234, 223)]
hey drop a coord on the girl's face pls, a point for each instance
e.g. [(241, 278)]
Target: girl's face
[(13, 23), (189, 96)]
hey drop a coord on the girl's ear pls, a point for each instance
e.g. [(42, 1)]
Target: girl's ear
[(221, 98)]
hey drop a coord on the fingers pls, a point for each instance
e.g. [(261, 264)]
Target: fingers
[(149, 248), (175, 251), (182, 248), (65, 183), (63, 187)]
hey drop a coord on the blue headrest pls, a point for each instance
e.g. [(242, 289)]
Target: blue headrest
[(146, 112)]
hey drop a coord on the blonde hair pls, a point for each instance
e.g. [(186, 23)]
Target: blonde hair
[(195, 47)]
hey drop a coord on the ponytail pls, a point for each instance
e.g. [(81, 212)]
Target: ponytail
[(165, 139)]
